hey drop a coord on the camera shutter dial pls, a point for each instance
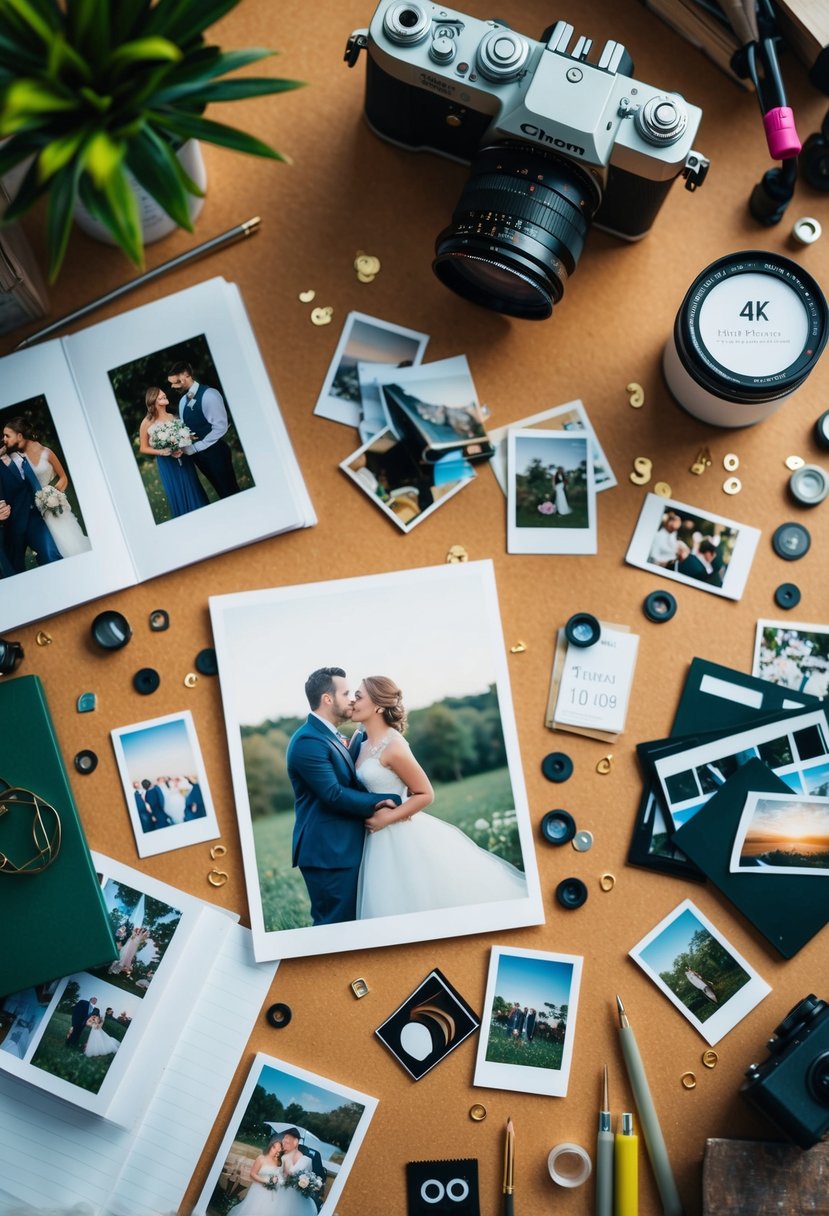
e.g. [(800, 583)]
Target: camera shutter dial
[(406, 24), (662, 120), (502, 54)]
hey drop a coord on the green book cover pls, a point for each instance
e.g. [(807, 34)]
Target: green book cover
[(53, 923)]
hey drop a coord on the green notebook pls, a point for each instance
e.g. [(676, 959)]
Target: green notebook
[(53, 923)]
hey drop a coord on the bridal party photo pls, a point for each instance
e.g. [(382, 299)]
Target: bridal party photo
[(40, 517), (179, 423), (86, 1031)]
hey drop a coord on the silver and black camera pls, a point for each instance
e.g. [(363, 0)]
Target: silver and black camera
[(556, 142), (791, 1087)]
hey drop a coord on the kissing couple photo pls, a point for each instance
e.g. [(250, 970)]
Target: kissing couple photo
[(380, 798)]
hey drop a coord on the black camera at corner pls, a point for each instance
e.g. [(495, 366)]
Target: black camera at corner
[(558, 137), (791, 1087)]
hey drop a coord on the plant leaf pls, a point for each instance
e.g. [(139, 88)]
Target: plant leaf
[(41, 17), (184, 20), (117, 208), (191, 126), (28, 193), (147, 50), (229, 90), (17, 149), (157, 169), (58, 152), (59, 213), (64, 60), (128, 18), (102, 159), (88, 26)]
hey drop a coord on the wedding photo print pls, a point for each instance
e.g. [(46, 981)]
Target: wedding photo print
[(143, 927), (526, 1040), (375, 761), (551, 494), (691, 962), (782, 834), (40, 518), (290, 1146), (178, 420), (793, 655), (693, 547), (364, 340), (164, 783)]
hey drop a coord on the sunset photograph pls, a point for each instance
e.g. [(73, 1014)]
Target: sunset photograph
[(778, 832)]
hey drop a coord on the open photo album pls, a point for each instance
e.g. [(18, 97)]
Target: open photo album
[(99, 1039), (139, 445)]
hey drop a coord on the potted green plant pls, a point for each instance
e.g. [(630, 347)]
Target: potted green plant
[(95, 94)]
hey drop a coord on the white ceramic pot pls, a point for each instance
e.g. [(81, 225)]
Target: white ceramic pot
[(155, 222)]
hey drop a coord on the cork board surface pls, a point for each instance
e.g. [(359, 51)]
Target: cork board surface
[(346, 191)]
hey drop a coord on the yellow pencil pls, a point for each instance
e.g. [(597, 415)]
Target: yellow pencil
[(626, 1170)]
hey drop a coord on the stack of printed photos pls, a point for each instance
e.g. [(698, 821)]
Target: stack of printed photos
[(422, 425)]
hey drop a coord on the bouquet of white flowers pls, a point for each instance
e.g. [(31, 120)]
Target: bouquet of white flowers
[(51, 501), (305, 1182), (170, 436)]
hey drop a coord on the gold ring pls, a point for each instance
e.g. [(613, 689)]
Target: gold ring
[(607, 882), (688, 1080)]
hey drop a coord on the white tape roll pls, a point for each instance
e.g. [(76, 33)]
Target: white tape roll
[(569, 1164)]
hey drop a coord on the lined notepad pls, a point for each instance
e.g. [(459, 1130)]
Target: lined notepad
[(145, 1171)]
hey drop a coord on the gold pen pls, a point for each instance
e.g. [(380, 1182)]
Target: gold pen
[(509, 1168)]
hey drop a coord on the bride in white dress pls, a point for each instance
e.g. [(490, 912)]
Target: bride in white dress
[(265, 1177), (560, 486), (64, 529), (175, 802), (413, 861), (99, 1042)]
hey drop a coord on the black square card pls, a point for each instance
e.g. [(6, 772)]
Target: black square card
[(429, 1024)]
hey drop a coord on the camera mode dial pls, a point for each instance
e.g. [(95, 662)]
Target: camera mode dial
[(502, 54), (662, 120)]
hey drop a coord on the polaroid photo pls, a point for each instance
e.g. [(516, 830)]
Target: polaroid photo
[(369, 340), (569, 417), (796, 748), (693, 547), (164, 783), (793, 655), (529, 1022), (551, 496), (291, 1143), (431, 1023), (435, 407), (402, 487), (782, 834), (401, 632), (700, 972)]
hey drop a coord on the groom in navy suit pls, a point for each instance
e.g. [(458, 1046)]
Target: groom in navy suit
[(21, 524), (202, 410), (331, 804)]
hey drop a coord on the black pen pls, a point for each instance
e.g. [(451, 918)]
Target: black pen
[(246, 229)]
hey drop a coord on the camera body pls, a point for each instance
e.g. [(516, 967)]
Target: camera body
[(792, 1087), (440, 81)]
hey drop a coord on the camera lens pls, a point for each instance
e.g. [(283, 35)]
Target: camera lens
[(406, 24), (518, 230), (819, 1079)]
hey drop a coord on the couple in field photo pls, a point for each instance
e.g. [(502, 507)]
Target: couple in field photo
[(363, 839)]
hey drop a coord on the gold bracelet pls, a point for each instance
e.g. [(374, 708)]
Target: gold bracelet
[(47, 844)]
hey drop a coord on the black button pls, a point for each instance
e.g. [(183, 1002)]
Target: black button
[(278, 1015), (159, 620), (557, 827), (822, 431), (582, 629), (571, 893), (11, 654), (146, 681), (791, 541), (86, 762), (787, 595), (557, 766), (659, 606), (206, 662), (111, 629)]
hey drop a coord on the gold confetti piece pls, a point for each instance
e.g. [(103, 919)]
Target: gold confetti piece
[(518, 648), (457, 554), (662, 489), (43, 638), (365, 278), (643, 469), (731, 462), (477, 1112), (732, 485), (605, 764), (322, 316), (688, 1080), (217, 878), (307, 296), (359, 988), (365, 263), (709, 1058), (191, 680), (217, 850), (794, 462), (637, 394), (702, 462), (607, 882)]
